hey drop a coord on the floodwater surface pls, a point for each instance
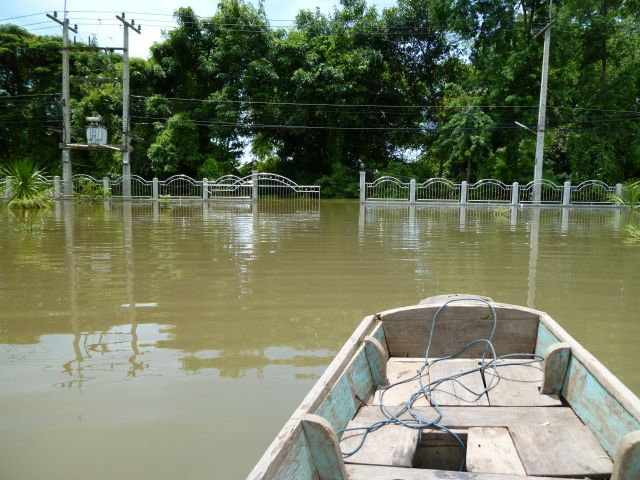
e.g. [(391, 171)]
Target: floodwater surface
[(152, 342)]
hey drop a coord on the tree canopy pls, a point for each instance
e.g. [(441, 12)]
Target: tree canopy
[(419, 89)]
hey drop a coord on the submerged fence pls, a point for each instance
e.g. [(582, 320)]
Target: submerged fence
[(182, 187), (487, 191), (382, 190)]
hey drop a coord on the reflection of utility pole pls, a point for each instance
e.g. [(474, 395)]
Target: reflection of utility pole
[(66, 107), (126, 123), (542, 111), (129, 266), (534, 235), (76, 325)]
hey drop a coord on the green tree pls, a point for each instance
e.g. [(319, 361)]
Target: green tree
[(175, 149), (464, 138)]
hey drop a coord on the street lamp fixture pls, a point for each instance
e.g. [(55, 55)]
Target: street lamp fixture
[(525, 127)]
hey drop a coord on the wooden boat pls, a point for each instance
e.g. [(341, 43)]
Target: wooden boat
[(564, 417)]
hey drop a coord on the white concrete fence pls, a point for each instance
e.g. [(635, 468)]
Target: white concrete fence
[(228, 187), (487, 191)]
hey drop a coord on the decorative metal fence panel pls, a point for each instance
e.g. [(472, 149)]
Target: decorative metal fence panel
[(549, 192), (230, 187), (387, 189), (85, 183), (271, 185), (489, 191), (438, 190), (592, 192), (180, 186), (140, 188)]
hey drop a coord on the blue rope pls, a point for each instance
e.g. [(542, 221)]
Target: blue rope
[(415, 420)]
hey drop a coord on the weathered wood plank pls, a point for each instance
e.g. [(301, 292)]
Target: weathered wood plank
[(626, 465), (368, 472), (377, 357), (401, 369), (407, 329), (554, 368), (597, 407), (544, 340), (391, 445), (296, 461), (353, 388), (454, 393), (491, 450), (517, 386), (555, 450), (448, 393), (324, 448), (466, 417)]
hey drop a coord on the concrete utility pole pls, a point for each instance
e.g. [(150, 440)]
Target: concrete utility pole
[(67, 173), (126, 123), (542, 111)]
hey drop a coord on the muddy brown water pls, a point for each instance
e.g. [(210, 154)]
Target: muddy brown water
[(138, 341)]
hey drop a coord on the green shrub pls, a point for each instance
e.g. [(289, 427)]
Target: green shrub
[(89, 192)]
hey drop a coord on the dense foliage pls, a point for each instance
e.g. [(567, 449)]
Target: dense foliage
[(421, 89)]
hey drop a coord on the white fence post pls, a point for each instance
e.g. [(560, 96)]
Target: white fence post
[(464, 189), (566, 194), (106, 185), (154, 188), (412, 191), (363, 184), (205, 189), (515, 194), (56, 187), (254, 185), (618, 191), (126, 187)]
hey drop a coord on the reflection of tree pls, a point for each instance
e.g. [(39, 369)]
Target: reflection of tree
[(236, 364)]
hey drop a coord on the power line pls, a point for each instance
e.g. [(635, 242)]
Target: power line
[(372, 105), (22, 16)]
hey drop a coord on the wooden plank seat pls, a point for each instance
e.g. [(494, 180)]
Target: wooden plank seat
[(514, 385), (448, 393), (544, 450), (517, 386), (454, 417), (392, 445), (491, 450), (467, 417)]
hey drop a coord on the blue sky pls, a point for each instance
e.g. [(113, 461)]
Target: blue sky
[(98, 18)]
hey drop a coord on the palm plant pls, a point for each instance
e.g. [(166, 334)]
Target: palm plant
[(27, 189), (629, 196)]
